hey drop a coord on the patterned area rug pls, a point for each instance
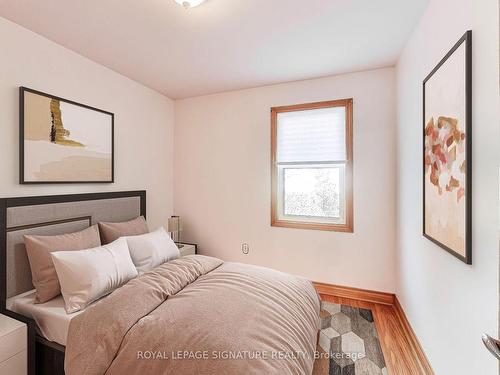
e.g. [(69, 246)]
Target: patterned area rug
[(348, 342)]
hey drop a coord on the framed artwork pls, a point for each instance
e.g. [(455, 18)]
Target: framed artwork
[(447, 144), (61, 141)]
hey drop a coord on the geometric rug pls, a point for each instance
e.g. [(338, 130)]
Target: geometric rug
[(348, 342)]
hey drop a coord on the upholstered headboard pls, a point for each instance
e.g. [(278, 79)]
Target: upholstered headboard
[(50, 215)]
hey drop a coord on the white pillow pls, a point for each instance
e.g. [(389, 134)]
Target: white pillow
[(87, 275), (151, 249)]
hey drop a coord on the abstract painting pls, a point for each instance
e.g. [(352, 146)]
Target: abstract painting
[(63, 142), (447, 151)]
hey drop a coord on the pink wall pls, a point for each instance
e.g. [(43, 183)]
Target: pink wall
[(450, 304), (222, 180), (144, 119)]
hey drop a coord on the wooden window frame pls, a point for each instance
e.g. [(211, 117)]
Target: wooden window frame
[(349, 219)]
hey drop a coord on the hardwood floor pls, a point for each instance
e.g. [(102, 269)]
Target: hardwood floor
[(398, 344)]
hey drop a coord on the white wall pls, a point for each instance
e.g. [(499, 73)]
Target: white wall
[(143, 118), (222, 182), (449, 303)]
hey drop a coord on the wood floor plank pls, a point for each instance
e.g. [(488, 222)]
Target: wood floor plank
[(396, 346)]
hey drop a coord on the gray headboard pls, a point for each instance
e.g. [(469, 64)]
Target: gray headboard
[(50, 215)]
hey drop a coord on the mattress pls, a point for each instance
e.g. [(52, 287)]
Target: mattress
[(50, 317)]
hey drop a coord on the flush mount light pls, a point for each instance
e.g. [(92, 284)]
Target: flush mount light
[(189, 3)]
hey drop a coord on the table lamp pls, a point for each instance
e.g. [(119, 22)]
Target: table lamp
[(175, 228)]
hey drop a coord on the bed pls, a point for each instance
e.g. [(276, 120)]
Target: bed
[(192, 315), (52, 321)]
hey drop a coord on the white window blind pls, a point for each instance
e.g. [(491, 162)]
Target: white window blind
[(316, 135)]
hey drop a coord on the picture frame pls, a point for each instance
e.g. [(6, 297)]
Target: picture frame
[(62, 141), (447, 152)]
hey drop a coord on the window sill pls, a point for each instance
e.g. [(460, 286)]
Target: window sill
[(346, 228)]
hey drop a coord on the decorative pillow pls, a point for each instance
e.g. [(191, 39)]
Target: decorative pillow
[(112, 231), (152, 249), (87, 275), (39, 248)]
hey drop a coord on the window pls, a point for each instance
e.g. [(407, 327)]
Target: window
[(311, 156)]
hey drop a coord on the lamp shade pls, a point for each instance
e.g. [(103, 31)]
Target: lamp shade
[(174, 224)]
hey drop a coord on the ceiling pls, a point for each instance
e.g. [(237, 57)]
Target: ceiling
[(224, 45)]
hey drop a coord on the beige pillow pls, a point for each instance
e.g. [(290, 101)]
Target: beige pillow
[(112, 231), (39, 248), (88, 275)]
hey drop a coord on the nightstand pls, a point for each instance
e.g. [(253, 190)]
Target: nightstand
[(13, 346), (188, 249)]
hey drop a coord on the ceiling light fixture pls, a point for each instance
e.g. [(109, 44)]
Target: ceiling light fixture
[(189, 3)]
